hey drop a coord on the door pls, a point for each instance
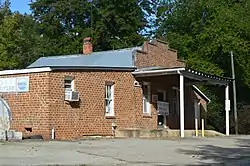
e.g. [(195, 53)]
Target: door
[(162, 118), (160, 95)]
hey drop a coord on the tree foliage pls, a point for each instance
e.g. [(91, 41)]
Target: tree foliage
[(205, 31), (58, 27), (112, 24), (18, 39)]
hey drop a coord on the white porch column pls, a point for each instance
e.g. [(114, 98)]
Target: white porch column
[(227, 108), (182, 105)]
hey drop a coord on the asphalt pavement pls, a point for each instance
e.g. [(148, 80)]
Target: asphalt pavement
[(188, 151)]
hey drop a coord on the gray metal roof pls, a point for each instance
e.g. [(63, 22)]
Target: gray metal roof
[(122, 58)]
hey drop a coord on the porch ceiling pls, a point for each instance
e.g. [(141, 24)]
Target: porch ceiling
[(195, 75)]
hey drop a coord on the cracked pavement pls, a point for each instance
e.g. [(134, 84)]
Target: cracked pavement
[(189, 151)]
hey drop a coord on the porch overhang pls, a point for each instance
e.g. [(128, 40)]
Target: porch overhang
[(195, 75)]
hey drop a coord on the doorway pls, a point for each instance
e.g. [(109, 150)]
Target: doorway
[(162, 116)]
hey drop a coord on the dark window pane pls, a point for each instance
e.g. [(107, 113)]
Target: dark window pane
[(160, 96), (166, 97)]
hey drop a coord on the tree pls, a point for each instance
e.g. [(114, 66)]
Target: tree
[(4, 9), (204, 31), (112, 24), (20, 42)]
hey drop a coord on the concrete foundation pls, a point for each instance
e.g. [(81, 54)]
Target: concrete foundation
[(161, 133), (10, 135)]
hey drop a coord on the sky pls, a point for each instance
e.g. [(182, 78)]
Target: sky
[(20, 5)]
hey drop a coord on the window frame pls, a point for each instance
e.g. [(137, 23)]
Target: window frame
[(110, 98), (71, 84), (164, 92), (148, 104)]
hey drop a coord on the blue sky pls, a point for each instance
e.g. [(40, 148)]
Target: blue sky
[(20, 5)]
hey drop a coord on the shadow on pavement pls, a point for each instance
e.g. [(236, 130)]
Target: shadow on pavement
[(239, 154)]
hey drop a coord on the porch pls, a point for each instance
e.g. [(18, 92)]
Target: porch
[(169, 93)]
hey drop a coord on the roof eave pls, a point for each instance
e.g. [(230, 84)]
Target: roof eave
[(187, 72), (56, 68), (26, 71), (201, 93), (156, 72)]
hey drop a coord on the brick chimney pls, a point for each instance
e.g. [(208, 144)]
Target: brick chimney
[(87, 46)]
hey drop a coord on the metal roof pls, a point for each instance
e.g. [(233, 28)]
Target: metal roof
[(122, 58), (210, 76), (187, 72)]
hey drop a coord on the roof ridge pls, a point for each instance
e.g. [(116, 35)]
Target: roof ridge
[(76, 55), (122, 49)]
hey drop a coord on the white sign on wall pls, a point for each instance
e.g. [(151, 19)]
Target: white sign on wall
[(15, 84), (163, 108)]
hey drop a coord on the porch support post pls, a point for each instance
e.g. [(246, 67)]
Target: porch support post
[(182, 105), (227, 108)]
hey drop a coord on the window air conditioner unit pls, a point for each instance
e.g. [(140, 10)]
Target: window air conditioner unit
[(71, 96)]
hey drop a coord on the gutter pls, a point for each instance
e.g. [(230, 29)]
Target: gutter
[(59, 68), (177, 70), (25, 71)]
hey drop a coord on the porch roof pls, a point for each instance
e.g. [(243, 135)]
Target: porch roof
[(192, 74)]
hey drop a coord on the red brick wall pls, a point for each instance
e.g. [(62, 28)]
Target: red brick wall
[(88, 118), (43, 107), (157, 53), (30, 109), (141, 120)]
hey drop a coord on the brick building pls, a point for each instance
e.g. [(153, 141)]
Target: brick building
[(141, 87)]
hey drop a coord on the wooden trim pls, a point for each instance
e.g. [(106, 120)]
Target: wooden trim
[(161, 41), (152, 44), (110, 83), (147, 115), (141, 51), (110, 117), (69, 78), (171, 49)]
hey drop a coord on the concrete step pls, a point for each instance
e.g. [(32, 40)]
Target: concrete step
[(10, 135), (161, 133)]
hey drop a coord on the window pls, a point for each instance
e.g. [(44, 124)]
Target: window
[(69, 83), (146, 98), (109, 99), (166, 96), (162, 95)]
